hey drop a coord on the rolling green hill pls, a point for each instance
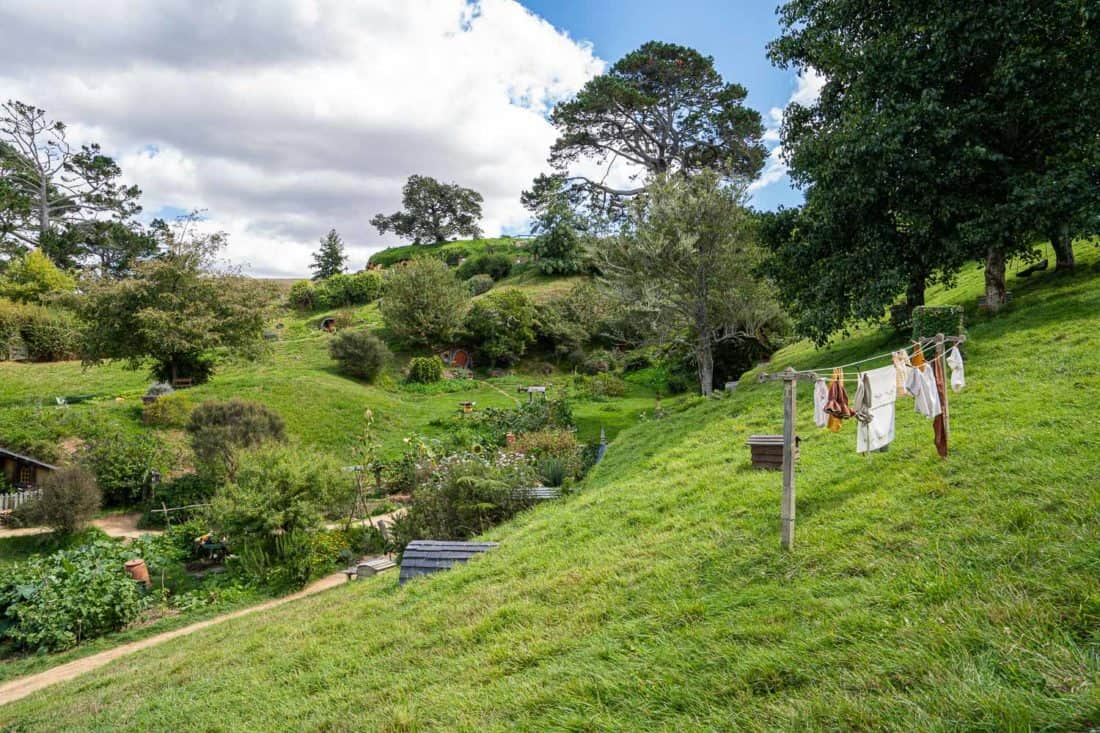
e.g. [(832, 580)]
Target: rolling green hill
[(922, 594)]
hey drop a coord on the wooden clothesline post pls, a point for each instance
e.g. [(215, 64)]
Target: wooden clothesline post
[(790, 414)]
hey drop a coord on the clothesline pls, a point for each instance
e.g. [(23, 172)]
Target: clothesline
[(923, 344)]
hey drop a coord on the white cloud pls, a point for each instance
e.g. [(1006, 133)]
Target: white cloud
[(807, 89), (286, 118)]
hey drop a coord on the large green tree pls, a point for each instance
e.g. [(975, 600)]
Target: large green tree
[(663, 108), (329, 259), (686, 265), (943, 132), (61, 184), (176, 309), (434, 212)]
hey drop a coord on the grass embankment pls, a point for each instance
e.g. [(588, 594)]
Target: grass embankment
[(922, 594)]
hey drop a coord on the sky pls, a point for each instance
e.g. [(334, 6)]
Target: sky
[(285, 118)]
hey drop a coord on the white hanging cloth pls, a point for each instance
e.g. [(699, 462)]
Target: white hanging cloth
[(821, 396), (876, 395), (922, 385), (955, 361)]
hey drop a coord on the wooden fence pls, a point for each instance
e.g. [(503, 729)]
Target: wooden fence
[(8, 502)]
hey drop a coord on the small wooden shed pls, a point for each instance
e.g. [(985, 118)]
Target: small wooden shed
[(21, 471), (767, 450), (424, 557)]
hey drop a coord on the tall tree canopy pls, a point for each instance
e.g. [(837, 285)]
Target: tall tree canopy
[(434, 212), (665, 109), (686, 265), (60, 185), (175, 309), (329, 259), (942, 133)]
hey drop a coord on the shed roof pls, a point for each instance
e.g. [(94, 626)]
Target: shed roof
[(5, 453)]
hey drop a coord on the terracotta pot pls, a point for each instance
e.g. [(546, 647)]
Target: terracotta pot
[(138, 570)]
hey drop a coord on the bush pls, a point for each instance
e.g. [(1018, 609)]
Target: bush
[(268, 510), (34, 278), (465, 498), (930, 320), (496, 266), (605, 385), (425, 369), (359, 354), (303, 296), (343, 291), (479, 284), (219, 430), (49, 334), (69, 498), (552, 471), (55, 602), (502, 324), (424, 303), (571, 324), (598, 362), (168, 411), (122, 465)]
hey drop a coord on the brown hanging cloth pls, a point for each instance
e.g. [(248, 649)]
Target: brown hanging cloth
[(939, 425), (836, 405)]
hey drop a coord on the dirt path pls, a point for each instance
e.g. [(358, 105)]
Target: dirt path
[(23, 686), (115, 525)]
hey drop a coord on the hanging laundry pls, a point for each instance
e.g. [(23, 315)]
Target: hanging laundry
[(955, 361), (821, 396), (922, 385), (901, 369), (875, 398), (939, 424), (917, 360), (837, 403)]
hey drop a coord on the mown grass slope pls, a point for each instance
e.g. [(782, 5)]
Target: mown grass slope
[(922, 594)]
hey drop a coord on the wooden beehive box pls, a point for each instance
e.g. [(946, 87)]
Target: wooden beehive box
[(767, 450), (424, 557)]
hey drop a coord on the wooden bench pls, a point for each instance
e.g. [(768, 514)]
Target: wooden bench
[(537, 493), (182, 382), (424, 557), (369, 568)]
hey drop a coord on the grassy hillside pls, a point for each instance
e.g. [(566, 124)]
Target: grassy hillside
[(922, 594)]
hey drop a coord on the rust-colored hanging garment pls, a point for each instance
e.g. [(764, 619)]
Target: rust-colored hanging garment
[(939, 424), (837, 404), (917, 360)]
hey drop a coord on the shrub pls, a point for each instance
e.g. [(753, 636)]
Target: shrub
[(496, 266), (343, 291), (33, 278), (274, 501), (359, 354), (123, 463), (551, 449), (606, 385), (570, 324), (49, 334), (552, 471), (219, 430), (69, 498), (55, 602), (424, 303), (479, 284), (303, 296), (598, 362), (465, 498), (502, 324), (930, 320), (425, 369), (494, 424), (168, 411)]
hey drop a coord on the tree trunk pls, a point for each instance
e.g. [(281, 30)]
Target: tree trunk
[(994, 279), (1062, 243), (705, 357), (914, 291)]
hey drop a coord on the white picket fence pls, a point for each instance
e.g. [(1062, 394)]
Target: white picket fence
[(8, 502)]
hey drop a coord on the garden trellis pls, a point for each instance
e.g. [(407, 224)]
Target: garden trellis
[(790, 378)]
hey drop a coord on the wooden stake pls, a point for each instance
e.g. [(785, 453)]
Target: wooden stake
[(946, 386), (790, 391)]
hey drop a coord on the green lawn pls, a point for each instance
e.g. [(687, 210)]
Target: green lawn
[(922, 594)]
